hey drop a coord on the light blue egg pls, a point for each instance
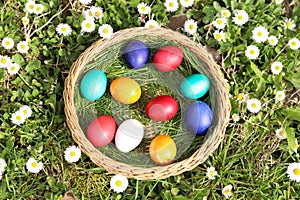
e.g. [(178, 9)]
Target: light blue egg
[(195, 86), (93, 84)]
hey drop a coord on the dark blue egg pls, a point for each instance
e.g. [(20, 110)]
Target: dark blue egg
[(136, 54), (198, 117)]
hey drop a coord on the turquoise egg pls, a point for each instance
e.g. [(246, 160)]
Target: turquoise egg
[(93, 84), (195, 86)]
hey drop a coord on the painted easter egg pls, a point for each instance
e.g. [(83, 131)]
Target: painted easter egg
[(129, 135), (162, 150), (136, 54), (125, 90), (162, 108), (195, 86), (167, 58), (93, 84), (198, 117), (101, 130)]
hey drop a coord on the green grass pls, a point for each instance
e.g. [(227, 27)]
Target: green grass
[(250, 157)]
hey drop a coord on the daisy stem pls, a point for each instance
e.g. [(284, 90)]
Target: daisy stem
[(279, 53), (25, 81)]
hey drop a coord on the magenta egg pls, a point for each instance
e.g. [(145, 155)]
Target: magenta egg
[(162, 108), (101, 131)]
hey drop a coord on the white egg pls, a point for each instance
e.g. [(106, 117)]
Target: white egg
[(129, 135)]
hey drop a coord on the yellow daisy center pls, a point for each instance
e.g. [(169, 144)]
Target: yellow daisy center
[(23, 46), (259, 34), (294, 43), (225, 14), (252, 52), (191, 27), (171, 4), (143, 8), (288, 24), (186, 0), (88, 25), (7, 42), (97, 13), (253, 105), (272, 41), (31, 6), (34, 164), (105, 31), (13, 69), (151, 26), (118, 183), (279, 95), (277, 67), (297, 171), (72, 154), (226, 191), (3, 61), (25, 112), (218, 36), (90, 13), (281, 133), (38, 8), (219, 22), (240, 96), (63, 29), (240, 17), (211, 173), (18, 117)]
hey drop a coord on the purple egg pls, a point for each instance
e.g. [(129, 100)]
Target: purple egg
[(198, 117), (136, 54)]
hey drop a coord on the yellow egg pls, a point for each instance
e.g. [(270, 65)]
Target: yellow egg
[(125, 90), (162, 150)]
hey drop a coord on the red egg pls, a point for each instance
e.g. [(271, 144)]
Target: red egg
[(162, 108), (101, 131), (168, 58)]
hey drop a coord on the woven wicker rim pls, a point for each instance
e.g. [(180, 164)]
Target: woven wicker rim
[(221, 107)]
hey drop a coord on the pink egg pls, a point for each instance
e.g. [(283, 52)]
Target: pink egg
[(162, 108), (101, 131)]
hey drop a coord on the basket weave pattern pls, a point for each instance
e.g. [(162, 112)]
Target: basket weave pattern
[(218, 94)]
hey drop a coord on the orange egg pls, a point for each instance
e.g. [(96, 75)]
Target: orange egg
[(162, 150), (125, 90)]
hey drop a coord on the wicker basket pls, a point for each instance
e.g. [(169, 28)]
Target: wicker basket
[(218, 95)]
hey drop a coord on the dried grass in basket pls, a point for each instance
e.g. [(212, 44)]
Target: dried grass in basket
[(105, 51)]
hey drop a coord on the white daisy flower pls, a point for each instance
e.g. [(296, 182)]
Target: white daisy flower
[(240, 17), (211, 173), (190, 26), (289, 23), (254, 105), (186, 3), (18, 118), (119, 183), (260, 34), (88, 25), (72, 154), (97, 12), (3, 164), (252, 52), (242, 97), (220, 23), (280, 133), (151, 24), (5, 61), (26, 110), (225, 13), (280, 95), (219, 35), (293, 172), (13, 69), (63, 29), (143, 8), (85, 2), (273, 41), (33, 165), (227, 191), (88, 14), (23, 47), (276, 67), (105, 31), (30, 6), (171, 5), (25, 20), (279, 1), (39, 8), (294, 43), (235, 117), (8, 43)]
